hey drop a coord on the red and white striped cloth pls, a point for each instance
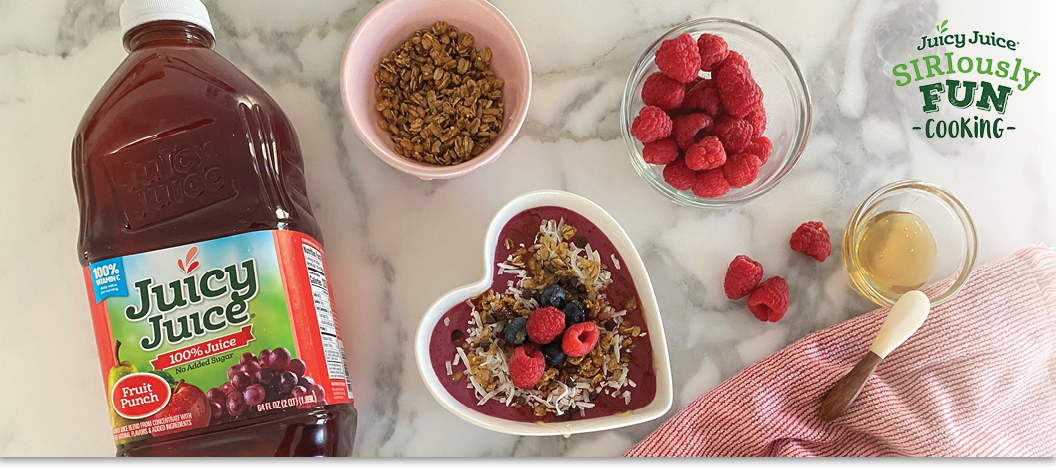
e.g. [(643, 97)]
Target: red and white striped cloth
[(977, 379)]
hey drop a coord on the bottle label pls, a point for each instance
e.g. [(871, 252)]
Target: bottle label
[(215, 332)]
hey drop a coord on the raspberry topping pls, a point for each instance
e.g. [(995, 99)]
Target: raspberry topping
[(679, 176), (660, 152), (734, 133), (757, 119), (769, 301), (703, 95), (760, 147), (526, 367), (741, 169), (712, 49), (812, 238), (711, 183), (742, 277), (545, 324), (738, 91), (705, 154), (580, 339), (651, 124), (684, 128), (662, 91), (679, 58)]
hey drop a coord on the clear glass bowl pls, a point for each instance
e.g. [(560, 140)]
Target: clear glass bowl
[(946, 218), (785, 97)]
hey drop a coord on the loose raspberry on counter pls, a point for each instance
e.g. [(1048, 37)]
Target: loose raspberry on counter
[(712, 49), (545, 324), (812, 238), (742, 277), (652, 124), (741, 169), (711, 183), (769, 301), (662, 91), (679, 176), (679, 58), (580, 339), (526, 367), (660, 152), (684, 128), (705, 154), (703, 95), (757, 119), (734, 133), (760, 147), (738, 91)]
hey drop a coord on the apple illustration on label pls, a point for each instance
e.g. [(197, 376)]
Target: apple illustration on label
[(186, 398)]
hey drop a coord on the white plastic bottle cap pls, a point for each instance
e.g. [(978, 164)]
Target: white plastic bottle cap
[(136, 12)]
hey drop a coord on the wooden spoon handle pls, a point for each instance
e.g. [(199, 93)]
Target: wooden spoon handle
[(847, 389)]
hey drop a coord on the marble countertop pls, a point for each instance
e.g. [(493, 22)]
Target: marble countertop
[(395, 243)]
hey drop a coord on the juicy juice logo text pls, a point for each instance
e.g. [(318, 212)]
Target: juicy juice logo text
[(980, 92), (237, 281)]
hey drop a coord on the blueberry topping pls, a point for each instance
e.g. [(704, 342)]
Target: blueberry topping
[(552, 296), (553, 353), (516, 331), (574, 313)]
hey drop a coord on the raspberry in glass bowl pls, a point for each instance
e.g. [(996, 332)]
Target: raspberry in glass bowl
[(749, 98)]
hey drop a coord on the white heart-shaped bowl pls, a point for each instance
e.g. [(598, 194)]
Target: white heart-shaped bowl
[(660, 403)]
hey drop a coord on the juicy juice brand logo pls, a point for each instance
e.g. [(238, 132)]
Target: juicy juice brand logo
[(988, 82), (170, 308)]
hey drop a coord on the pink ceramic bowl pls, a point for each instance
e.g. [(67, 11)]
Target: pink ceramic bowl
[(388, 26)]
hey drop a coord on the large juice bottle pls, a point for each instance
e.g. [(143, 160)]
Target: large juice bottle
[(204, 264)]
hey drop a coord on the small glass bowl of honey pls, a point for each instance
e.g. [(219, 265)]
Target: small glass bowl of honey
[(909, 235)]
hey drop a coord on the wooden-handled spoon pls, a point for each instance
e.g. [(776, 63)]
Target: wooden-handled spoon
[(902, 321)]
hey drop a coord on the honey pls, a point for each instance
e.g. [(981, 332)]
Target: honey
[(896, 252)]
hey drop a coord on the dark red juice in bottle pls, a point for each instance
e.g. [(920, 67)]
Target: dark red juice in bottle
[(204, 265)]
